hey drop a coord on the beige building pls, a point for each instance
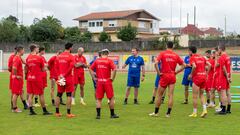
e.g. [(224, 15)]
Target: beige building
[(147, 25)]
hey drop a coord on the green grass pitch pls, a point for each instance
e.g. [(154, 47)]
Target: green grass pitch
[(134, 119)]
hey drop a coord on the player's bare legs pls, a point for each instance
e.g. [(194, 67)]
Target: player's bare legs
[(30, 102), (82, 94), (186, 94), (229, 98), (14, 102), (203, 102), (197, 92), (158, 103), (127, 94), (208, 95), (98, 108), (212, 98), (42, 102), (135, 95), (153, 95), (73, 94), (53, 82), (223, 101), (23, 101), (170, 99)]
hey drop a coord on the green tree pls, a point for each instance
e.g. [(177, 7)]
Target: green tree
[(127, 33), (72, 34), (104, 37), (24, 34), (86, 37), (47, 29), (9, 30)]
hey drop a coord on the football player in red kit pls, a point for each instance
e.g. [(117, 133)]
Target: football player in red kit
[(169, 61), (199, 77), (224, 80), (17, 78), (105, 75), (34, 68), (79, 77), (64, 69), (10, 63)]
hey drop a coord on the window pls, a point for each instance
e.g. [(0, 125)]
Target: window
[(141, 24), (112, 23), (101, 24), (98, 24), (91, 24)]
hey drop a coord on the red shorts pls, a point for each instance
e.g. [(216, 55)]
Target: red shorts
[(102, 88), (44, 82), (223, 84), (167, 79), (17, 86), (200, 81), (69, 87), (79, 79), (209, 84), (35, 87)]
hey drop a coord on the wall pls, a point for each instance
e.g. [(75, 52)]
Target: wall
[(213, 43)]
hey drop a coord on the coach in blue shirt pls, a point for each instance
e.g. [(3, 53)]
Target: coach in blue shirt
[(136, 65)]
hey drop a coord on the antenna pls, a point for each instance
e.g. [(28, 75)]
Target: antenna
[(195, 10), (17, 10), (225, 25), (22, 13), (171, 6), (180, 13), (187, 18)]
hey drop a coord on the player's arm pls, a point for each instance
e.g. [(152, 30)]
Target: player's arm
[(125, 64), (193, 70), (182, 67), (208, 67), (156, 67), (226, 74), (143, 72), (92, 73), (23, 61), (114, 71)]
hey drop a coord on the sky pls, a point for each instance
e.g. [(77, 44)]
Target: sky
[(210, 13)]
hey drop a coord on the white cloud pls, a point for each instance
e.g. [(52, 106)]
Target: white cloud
[(209, 12)]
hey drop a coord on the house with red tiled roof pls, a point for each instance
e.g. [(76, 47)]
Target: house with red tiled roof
[(211, 31), (147, 24), (191, 29)]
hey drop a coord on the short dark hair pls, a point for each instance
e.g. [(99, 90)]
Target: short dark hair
[(32, 47), (170, 44), (68, 46), (193, 49), (216, 48), (222, 47), (135, 48), (208, 52), (99, 53), (41, 49), (18, 48)]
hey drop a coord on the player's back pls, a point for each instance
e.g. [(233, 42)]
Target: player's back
[(200, 62), (35, 65), (212, 62), (103, 67), (65, 63), (169, 61)]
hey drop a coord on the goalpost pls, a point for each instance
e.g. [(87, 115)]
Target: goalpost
[(1, 60)]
